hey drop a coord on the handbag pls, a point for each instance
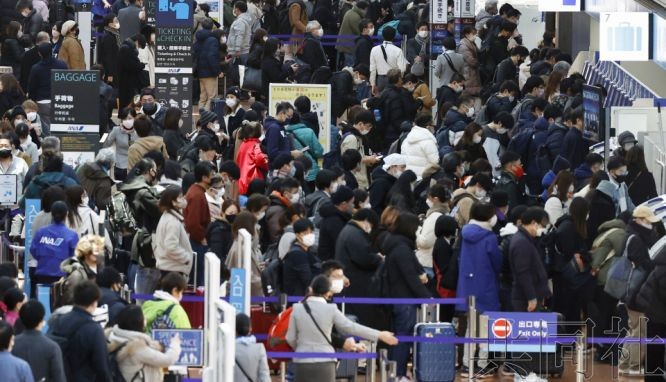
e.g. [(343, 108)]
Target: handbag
[(624, 279), (252, 80)]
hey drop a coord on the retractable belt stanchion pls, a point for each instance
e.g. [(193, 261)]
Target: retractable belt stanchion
[(581, 342), (471, 321)]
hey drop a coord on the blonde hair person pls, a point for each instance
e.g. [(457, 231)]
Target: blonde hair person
[(83, 266)]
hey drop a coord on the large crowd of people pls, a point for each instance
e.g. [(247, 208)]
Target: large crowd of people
[(482, 186)]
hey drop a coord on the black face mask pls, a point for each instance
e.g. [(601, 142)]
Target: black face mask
[(149, 108), (5, 153), (231, 218), (620, 178)]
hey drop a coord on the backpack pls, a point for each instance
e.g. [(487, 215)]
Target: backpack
[(482, 116), (447, 281), (271, 276), (396, 146), (543, 161), (142, 248), (114, 367), (277, 333), (393, 24), (334, 157), (454, 203), (551, 254), (163, 320), (520, 144), (121, 217), (520, 108), (283, 15)]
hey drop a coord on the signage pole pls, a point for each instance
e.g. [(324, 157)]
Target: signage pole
[(471, 318)]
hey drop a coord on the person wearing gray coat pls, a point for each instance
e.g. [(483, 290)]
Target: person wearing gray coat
[(251, 362), (310, 327)]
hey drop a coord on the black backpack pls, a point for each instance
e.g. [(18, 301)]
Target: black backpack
[(283, 15), (163, 319), (271, 276), (520, 144)]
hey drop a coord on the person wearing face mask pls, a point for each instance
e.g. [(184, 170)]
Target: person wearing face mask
[(12, 51), (472, 142), (363, 43), (480, 265), (438, 205), (470, 54), (529, 118), (357, 140), (507, 70), (448, 95), (197, 214), (32, 20), (351, 26), (286, 192), (384, 177), (10, 164), (544, 67), (276, 140), (305, 140), (496, 139), (626, 140), (71, 51), (326, 184), (234, 115), (420, 92), (311, 330), (110, 284), (313, 52), (334, 216), (418, 48), (462, 199), (240, 31), (561, 193), (107, 51), (82, 266), (122, 136), (219, 231), (504, 100), (456, 119), (96, 178), (206, 50), (640, 181), (617, 175), (215, 197), (153, 109), (448, 63), (511, 178), (30, 150), (173, 252), (172, 289), (573, 284), (299, 265), (252, 161), (533, 90), (530, 279), (575, 145)]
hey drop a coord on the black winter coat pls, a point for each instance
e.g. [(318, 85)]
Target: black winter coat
[(11, 55), (397, 106), (299, 268), (651, 298), (403, 269), (342, 92), (362, 50), (219, 238), (638, 252), (530, 280), (641, 185), (602, 209), (130, 70), (360, 261), (496, 105), (313, 53), (173, 140), (30, 58), (272, 72), (515, 189), (555, 139), (107, 53), (9, 99), (506, 70), (382, 182), (575, 147), (332, 222)]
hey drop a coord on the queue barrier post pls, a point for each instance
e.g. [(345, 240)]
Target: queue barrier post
[(283, 371), (581, 341), (370, 365), (471, 317)]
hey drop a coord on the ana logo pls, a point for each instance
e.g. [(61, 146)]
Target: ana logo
[(51, 241), (75, 128)]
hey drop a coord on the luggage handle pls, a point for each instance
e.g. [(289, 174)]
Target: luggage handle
[(424, 312)]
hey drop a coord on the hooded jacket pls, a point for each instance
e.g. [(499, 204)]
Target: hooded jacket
[(162, 301), (480, 265), (496, 105), (582, 175), (382, 182), (332, 222), (43, 181), (77, 271), (139, 353), (349, 27), (638, 243), (276, 139), (144, 145), (304, 136), (452, 128), (420, 148), (251, 356), (425, 235), (207, 54), (403, 268)]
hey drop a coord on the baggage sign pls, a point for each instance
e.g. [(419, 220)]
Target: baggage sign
[(191, 344), (521, 332)]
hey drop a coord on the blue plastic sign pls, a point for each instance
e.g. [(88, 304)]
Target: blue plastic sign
[(191, 344), (32, 208), (521, 332), (624, 36), (237, 289)]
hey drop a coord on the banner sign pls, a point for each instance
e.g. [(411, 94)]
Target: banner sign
[(173, 34), (521, 332), (624, 36), (438, 12), (559, 5), (74, 110), (464, 9), (592, 109), (237, 289), (32, 208), (175, 90), (150, 7), (191, 344), (320, 98)]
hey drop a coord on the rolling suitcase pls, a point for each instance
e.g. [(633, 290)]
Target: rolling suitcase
[(434, 362), (347, 368)]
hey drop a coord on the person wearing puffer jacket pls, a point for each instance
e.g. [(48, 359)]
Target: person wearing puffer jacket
[(420, 145), (437, 201), (171, 245), (138, 356)]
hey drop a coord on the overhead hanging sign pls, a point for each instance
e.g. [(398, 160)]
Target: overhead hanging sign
[(624, 36), (659, 43), (173, 35), (559, 5), (439, 12), (74, 110), (463, 9)]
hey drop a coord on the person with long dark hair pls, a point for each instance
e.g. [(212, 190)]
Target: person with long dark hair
[(173, 252), (401, 194), (173, 137), (12, 52), (121, 137), (272, 70), (640, 180), (11, 93)]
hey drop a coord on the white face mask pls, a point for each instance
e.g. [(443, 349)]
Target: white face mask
[(309, 240), (334, 187), (294, 198), (646, 225), (181, 204), (128, 124), (223, 40), (423, 34), (371, 31), (231, 102), (180, 123), (493, 221), (261, 215), (85, 200), (540, 92), (511, 98), (480, 194), (365, 132), (502, 130), (216, 127), (366, 205), (540, 231), (430, 203), (470, 112), (265, 38), (397, 174), (627, 146), (32, 116), (220, 193), (476, 139), (337, 286)]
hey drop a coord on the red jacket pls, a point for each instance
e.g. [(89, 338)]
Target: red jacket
[(253, 163), (196, 214)]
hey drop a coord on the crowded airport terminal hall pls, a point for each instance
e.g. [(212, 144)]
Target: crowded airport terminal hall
[(325, 190)]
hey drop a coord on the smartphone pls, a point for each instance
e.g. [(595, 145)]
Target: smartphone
[(306, 148)]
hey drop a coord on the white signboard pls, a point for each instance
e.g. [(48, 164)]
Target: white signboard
[(463, 8), (624, 36), (559, 5), (8, 189), (439, 11), (659, 45)]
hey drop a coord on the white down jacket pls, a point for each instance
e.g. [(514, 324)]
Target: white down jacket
[(420, 148)]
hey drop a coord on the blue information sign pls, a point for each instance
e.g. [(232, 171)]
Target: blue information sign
[(237, 289), (191, 344), (521, 332), (32, 208)]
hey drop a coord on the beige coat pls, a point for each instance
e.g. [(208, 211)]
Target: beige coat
[(140, 352), (471, 68), (141, 146), (171, 246), (71, 52), (234, 261)]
